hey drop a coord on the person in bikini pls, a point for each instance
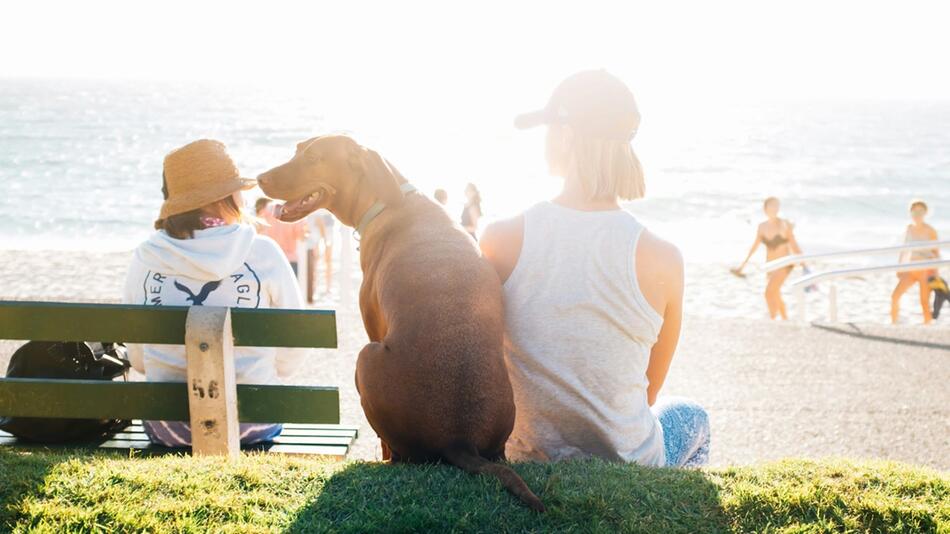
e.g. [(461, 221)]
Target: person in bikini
[(917, 230), (779, 239)]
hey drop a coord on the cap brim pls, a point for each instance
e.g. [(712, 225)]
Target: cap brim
[(532, 119)]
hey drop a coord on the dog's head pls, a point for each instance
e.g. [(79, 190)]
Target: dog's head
[(332, 172)]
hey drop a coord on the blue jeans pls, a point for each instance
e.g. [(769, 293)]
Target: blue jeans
[(685, 431)]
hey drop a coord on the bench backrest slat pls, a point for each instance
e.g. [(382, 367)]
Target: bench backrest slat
[(166, 401), (57, 321)]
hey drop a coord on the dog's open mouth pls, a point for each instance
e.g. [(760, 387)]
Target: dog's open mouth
[(294, 210)]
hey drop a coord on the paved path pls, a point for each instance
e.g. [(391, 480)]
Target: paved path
[(776, 390)]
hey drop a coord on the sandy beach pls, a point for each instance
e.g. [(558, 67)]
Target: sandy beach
[(862, 389)]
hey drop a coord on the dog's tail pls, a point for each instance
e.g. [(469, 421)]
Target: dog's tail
[(466, 458)]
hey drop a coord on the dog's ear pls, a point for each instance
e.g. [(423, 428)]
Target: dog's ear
[(304, 145), (381, 177)]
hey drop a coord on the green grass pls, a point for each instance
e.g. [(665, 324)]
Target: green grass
[(75, 492)]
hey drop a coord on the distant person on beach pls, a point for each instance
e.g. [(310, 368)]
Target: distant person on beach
[(593, 300), (287, 235), (779, 239), (917, 230), (204, 254), (441, 196), (322, 224), (260, 207), (472, 211)]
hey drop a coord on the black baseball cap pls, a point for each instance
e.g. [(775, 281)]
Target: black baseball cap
[(592, 102)]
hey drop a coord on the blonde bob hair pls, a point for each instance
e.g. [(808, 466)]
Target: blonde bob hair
[(604, 168)]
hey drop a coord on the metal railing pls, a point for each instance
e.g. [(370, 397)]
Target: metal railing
[(801, 258), (805, 281), (800, 284)]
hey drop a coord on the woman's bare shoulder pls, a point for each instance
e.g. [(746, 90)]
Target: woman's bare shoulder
[(502, 233), (659, 270), (501, 243), (654, 249)]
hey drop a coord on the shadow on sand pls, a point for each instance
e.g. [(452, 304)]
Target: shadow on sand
[(853, 330)]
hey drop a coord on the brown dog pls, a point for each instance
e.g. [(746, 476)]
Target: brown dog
[(432, 381)]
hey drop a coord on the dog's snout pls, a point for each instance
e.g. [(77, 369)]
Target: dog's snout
[(265, 181)]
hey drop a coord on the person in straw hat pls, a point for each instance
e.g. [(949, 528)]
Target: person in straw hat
[(205, 254), (593, 301)]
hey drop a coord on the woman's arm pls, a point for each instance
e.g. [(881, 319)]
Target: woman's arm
[(284, 293), (131, 295), (904, 256), (501, 245), (792, 242), (661, 355), (933, 237)]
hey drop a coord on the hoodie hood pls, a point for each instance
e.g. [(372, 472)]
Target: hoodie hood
[(212, 254)]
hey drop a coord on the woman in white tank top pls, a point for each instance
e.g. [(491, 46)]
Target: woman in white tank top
[(593, 301)]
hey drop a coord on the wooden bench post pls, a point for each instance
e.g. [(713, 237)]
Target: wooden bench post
[(212, 387)]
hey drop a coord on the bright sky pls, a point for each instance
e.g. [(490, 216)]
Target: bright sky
[(466, 51)]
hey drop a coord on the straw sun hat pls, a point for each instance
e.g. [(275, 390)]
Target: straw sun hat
[(199, 174)]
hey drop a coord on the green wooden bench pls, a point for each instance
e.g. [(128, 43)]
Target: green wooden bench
[(210, 399)]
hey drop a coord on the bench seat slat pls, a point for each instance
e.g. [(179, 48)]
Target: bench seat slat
[(317, 426), (166, 401), (339, 432), (147, 448), (58, 321), (138, 441), (281, 439), (307, 434), (321, 450)]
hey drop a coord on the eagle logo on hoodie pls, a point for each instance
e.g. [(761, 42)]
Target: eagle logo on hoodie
[(241, 289), (199, 299)]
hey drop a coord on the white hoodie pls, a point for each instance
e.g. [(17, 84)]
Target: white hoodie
[(229, 266)]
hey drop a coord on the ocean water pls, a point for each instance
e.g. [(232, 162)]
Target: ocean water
[(80, 161)]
